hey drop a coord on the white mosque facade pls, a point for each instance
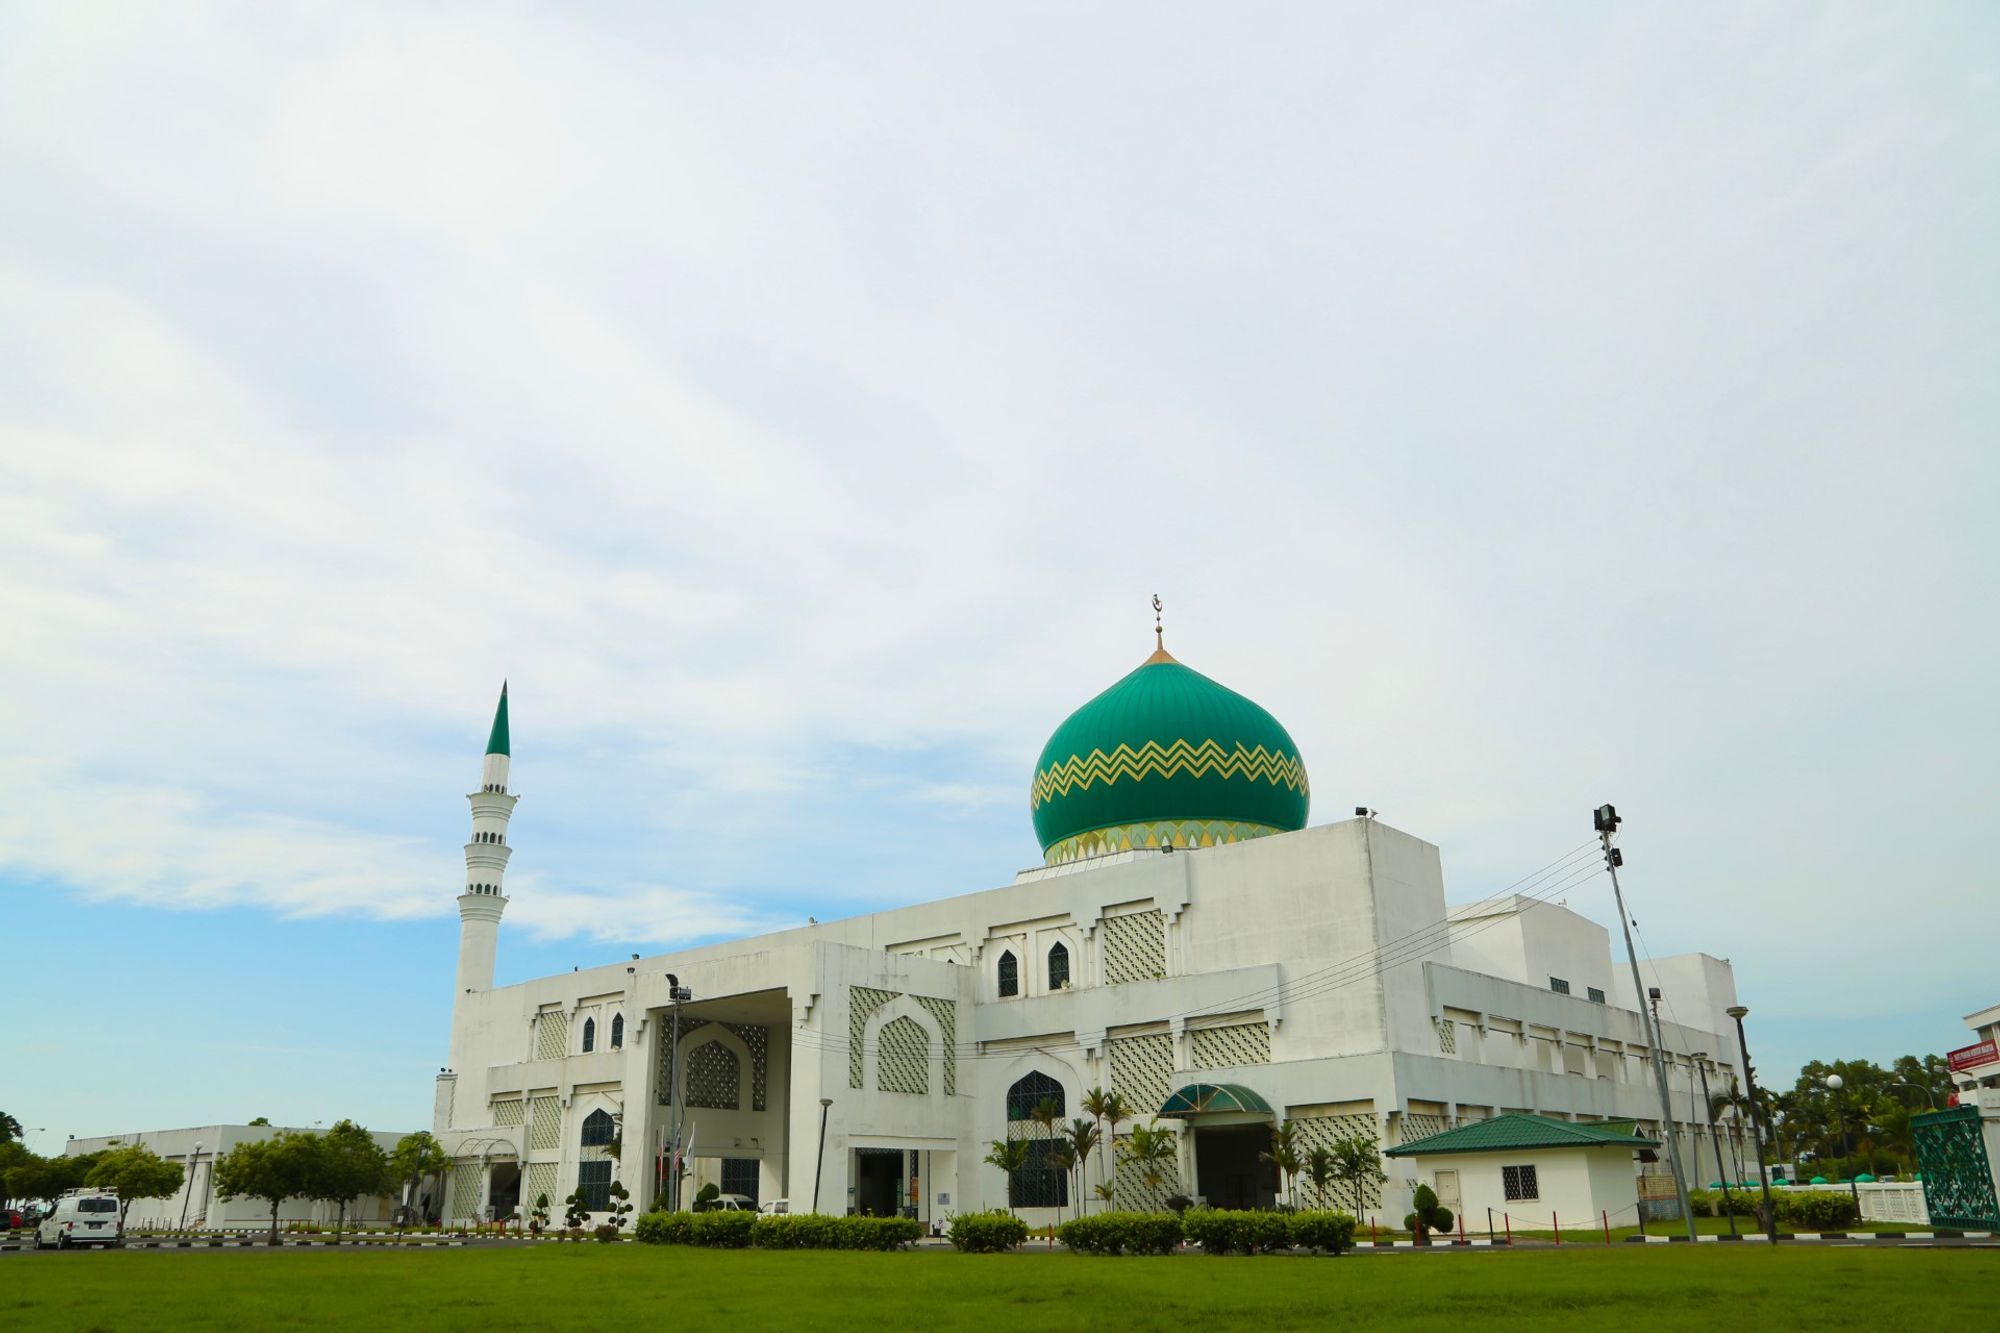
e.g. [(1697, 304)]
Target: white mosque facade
[(1190, 944)]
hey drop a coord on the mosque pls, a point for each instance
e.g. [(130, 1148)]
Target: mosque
[(1190, 943)]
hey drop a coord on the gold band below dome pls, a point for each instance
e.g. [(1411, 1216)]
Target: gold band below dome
[(1154, 759), (1184, 833)]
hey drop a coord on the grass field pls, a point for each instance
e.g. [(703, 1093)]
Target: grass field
[(591, 1286)]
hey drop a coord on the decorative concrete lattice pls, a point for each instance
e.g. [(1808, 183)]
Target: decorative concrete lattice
[(1142, 1069), (1323, 1131), (1130, 1190), (946, 1014), (1237, 1044), (1135, 947), (714, 1076), (540, 1180), (551, 1035), (1412, 1126), (545, 1125), (903, 1062), (507, 1112), (465, 1185), (1447, 1036), (861, 1002), (666, 1077), (758, 1039)]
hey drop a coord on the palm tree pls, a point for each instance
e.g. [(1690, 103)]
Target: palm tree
[(1111, 1108), (1150, 1148), (1356, 1161), (1083, 1135), (1320, 1168), (1047, 1113), (1284, 1154), (1094, 1103), (1010, 1155), (1063, 1158)]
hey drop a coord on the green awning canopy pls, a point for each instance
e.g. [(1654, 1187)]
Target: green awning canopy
[(1211, 1098)]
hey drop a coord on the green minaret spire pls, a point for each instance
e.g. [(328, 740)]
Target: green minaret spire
[(497, 742)]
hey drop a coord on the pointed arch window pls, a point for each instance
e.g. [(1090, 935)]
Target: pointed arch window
[(1058, 965), (617, 1032), (1042, 1182), (598, 1128), (589, 1035), (1010, 974)]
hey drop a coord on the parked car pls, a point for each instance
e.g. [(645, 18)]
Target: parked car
[(775, 1207), (13, 1218), (732, 1203), (82, 1217)]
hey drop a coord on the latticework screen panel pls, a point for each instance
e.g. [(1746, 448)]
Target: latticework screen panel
[(551, 1035), (507, 1112), (903, 1062), (545, 1124), (1135, 947), (714, 1076), (945, 1012), (862, 1001), (1142, 1069), (1237, 1044)]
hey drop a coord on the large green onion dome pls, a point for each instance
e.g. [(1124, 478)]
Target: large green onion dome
[(1165, 757)]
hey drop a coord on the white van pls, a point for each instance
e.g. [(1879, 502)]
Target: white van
[(82, 1217)]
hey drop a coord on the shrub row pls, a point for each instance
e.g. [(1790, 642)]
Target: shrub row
[(1218, 1231), (795, 1231), (1809, 1209), (1122, 1233), (987, 1233)]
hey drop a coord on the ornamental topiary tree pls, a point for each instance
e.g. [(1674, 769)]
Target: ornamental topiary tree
[(1426, 1215), (578, 1210), (540, 1217), (621, 1207)]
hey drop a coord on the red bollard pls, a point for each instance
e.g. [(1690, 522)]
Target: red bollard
[(1461, 1228), (1607, 1225), (1557, 1221), (1371, 1228)]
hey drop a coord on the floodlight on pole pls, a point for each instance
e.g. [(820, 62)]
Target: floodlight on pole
[(1605, 820), (825, 1105), (1740, 1012)]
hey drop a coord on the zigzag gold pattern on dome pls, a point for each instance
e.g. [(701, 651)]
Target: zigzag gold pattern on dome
[(1183, 833), (1153, 759)]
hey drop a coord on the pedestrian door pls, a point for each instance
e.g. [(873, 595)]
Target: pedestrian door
[(1445, 1186)]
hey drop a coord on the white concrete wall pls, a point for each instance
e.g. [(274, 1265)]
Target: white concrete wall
[(1574, 1187)]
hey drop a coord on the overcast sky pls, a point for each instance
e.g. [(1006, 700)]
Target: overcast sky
[(1531, 405)]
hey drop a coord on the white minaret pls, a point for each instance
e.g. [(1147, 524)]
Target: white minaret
[(480, 906)]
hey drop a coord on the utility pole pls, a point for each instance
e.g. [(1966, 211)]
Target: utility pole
[(1607, 822), (1714, 1139), (677, 995)]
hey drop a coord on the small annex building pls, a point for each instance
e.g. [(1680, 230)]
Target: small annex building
[(1535, 1168)]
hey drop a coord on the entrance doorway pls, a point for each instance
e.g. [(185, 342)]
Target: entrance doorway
[(878, 1181), (503, 1193), (1229, 1169)]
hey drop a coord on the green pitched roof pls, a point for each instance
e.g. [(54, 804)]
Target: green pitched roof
[(1196, 1098), (1518, 1133), (497, 742)]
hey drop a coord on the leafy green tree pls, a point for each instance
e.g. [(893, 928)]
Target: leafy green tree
[(275, 1169), (46, 1178), (136, 1172), (1357, 1161), (351, 1165), (1150, 1148), (416, 1156), (10, 1128), (261, 1120), (1010, 1155)]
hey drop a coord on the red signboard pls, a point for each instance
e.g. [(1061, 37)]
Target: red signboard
[(1966, 1057)]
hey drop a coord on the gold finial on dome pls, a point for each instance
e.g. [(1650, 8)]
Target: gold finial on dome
[(1160, 653)]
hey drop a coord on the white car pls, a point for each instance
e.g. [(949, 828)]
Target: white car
[(82, 1217), (732, 1203), (775, 1207)]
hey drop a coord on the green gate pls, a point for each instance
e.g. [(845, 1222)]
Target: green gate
[(1958, 1180)]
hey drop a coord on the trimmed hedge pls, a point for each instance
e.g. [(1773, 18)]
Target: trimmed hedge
[(1122, 1233), (987, 1233), (1223, 1231), (665, 1229), (1322, 1229), (1809, 1210), (818, 1231)]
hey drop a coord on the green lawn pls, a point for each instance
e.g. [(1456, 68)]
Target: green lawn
[(597, 1287)]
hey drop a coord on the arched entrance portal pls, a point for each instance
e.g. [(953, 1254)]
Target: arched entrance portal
[(1230, 1128)]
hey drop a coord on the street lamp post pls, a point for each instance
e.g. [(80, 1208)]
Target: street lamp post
[(677, 995), (1700, 1059), (194, 1163), (1834, 1083), (1739, 1013), (825, 1105)]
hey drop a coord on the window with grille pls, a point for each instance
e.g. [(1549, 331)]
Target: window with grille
[(1596, 995), (1030, 1091), (1058, 965), (1010, 974), (1558, 985), (1519, 1183), (589, 1035), (617, 1031), (598, 1128), (593, 1181), (1042, 1182), (739, 1176)]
